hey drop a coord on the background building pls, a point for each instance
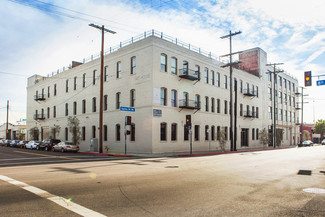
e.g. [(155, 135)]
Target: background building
[(164, 80)]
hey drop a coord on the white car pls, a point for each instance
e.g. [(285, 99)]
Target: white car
[(323, 142), (32, 144)]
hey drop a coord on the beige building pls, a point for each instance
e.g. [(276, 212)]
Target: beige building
[(163, 80), (15, 132)]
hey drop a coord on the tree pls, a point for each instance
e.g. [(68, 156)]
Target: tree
[(34, 133), (74, 129), (306, 135), (279, 137), (319, 128), (55, 130), (264, 137), (222, 139)]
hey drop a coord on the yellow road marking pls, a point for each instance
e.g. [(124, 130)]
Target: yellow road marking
[(48, 155)]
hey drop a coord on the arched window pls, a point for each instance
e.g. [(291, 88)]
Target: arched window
[(163, 96), (173, 63), (163, 131), (174, 98), (132, 98), (94, 104), (174, 132), (118, 100), (118, 132), (133, 65)]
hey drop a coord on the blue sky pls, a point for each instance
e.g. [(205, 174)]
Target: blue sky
[(41, 36)]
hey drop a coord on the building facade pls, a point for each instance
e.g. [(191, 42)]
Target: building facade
[(164, 80)]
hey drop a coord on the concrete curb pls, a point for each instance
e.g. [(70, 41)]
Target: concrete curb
[(103, 154)]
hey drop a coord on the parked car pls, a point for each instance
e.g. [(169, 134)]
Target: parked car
[(47, 144), (65, 146), (22, 144), (14, 143), (323, 142), (32, 144), (2, 142), (7, 142), (307, 143)]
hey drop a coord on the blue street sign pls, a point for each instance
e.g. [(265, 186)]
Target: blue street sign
[(321, 82), (127, 109)]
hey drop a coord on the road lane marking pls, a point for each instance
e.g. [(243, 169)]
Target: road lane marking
[(47, 155), (65, 203)]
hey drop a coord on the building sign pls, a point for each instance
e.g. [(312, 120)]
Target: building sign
[(157, 112), (127, 109)]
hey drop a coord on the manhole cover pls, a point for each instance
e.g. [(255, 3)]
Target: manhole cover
[(314, 190)]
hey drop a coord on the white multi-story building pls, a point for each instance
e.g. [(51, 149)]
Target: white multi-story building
[(164, 80)]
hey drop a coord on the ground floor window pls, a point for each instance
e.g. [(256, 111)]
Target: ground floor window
[(197, 132), (163, 132), (174, 132), (132, 132), (118, 132), (105, 132), (83, 133), (186, 133)]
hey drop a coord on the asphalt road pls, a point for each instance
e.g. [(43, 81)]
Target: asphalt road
[(265, 183), (19, 157)]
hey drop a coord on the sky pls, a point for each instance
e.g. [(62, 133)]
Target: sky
[(41, 36)]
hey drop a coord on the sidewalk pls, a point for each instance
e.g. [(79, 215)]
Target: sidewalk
[(184, 154)]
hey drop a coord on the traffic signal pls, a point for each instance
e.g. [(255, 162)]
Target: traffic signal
[(188, 120), (307, 78), (128, 120)]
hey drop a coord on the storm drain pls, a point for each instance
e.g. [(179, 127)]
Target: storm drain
[(314, 190), (304, 172)]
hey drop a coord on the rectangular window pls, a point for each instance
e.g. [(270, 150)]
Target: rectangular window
[(173, 68), (206, 104), (206, 76), (218, 79), (67, 86), (163, 132), (118, 132), (206, 132), (163, 98), (133, 65), (74, 108), (94, 77), (174, 132), (197, 132), (256, 115), (48, 92), (218, 133), (186, 133), (118, 70), (226, 133), (257, 91), (256, 133), (226, 107), (105, 132), (241, 110), (105, 103), (54, 91), (83, 106), (83, 133), (212, 77), (218, 105), (212, 105), (94, 104), (132, 98), (54, 111), (84, 80), (253, 133), (118, 100), (241, 86), (66, 109), (212, 133), (74, 83), (66, 134), (93, 131), (174, 98), (163, 63), (106, 73), (132, 132), (225, 82), (48, 112), (270, 112)]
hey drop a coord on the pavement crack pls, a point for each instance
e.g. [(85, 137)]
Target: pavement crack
[(125, 195)]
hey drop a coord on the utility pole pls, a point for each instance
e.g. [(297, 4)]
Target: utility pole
[(7, 129), (103, 29), (232, 146), (274, 97)]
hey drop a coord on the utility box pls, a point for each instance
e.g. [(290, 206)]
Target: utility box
[(93, 145)]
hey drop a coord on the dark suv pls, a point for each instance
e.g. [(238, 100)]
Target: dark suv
[(47, 144)]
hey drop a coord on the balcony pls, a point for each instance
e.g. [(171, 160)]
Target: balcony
[(189, 74), (39, 97), (249, 92), (39, 116), (297, 93), (189, 104), (249, 114)]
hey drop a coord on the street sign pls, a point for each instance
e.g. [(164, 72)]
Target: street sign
[(321, 82), (127, 109)]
